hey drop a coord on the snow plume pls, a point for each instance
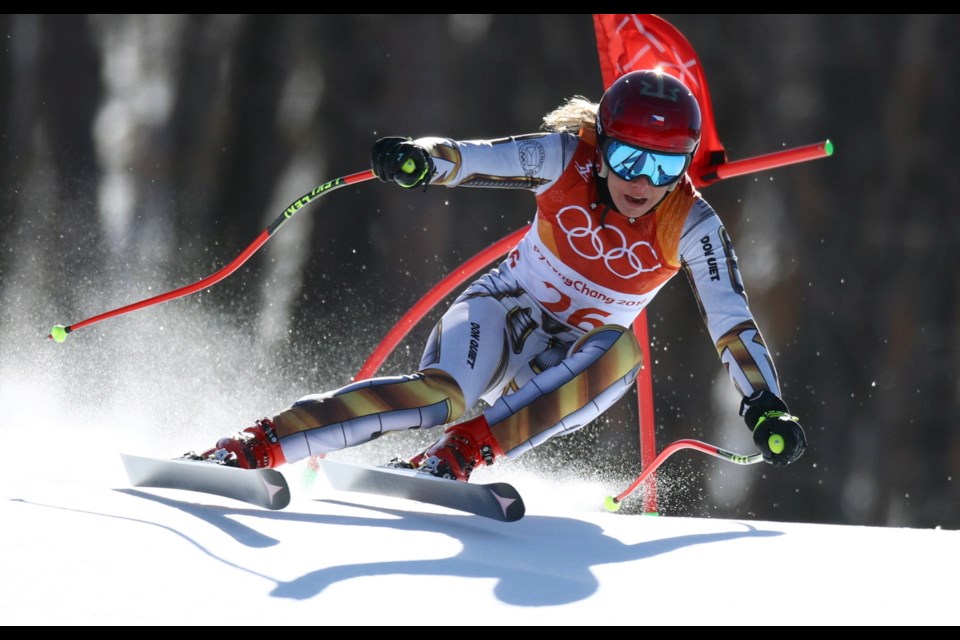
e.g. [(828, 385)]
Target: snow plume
[(160, 380)]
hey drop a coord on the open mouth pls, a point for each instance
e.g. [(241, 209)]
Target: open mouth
[(636, 201)]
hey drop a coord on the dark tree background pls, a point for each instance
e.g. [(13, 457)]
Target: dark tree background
[(149, 150)]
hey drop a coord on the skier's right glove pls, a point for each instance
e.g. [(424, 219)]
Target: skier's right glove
[(401, 160), (776, 433)]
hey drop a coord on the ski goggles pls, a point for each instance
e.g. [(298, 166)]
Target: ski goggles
[(630, 163)]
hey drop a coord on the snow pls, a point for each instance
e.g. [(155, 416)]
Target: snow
[(82, 547)]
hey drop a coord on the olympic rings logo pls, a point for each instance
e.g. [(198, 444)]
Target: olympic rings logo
[(622, 261)]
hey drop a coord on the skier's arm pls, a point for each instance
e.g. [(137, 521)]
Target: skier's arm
[(710, 263), (530, 162)]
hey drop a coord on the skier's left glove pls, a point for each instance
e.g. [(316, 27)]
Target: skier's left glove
[(776, 433), (401, 160)]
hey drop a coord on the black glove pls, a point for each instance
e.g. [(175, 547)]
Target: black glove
[(776, 433), (402, 161)]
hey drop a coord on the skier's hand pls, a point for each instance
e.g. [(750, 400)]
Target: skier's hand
[(401, 160), (776, 433)]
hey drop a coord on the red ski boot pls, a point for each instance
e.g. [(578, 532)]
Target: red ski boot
[(460, 450), (255, 447)]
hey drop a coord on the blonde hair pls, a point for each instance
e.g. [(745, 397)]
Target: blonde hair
[(573, 115)]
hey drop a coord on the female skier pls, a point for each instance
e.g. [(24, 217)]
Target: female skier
[(544, 338)]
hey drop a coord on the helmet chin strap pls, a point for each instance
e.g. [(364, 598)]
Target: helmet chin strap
[(603, 171)]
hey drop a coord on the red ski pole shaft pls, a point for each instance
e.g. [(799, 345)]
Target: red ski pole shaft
[(59, 332), (612, 503)]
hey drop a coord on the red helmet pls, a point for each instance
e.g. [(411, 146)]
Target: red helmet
[(650, 109)]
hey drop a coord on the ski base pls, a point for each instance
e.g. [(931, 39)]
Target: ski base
[(497, 500), (265, 488)]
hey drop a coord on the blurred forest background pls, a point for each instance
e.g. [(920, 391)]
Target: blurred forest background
[(141, 153)]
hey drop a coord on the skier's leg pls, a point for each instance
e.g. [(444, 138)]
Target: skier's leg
[(598, 371), (352, 415), (490, 335), (601, 368), (467, 353)]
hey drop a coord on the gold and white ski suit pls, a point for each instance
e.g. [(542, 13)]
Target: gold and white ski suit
[(544, 338)]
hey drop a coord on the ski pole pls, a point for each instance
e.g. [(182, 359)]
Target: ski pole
[(612, 503), (59, 332)]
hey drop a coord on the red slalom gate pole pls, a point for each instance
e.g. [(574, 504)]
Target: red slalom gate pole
[(441, 290), (774, 160)]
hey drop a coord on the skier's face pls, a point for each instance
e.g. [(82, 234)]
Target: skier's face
[(637, 197)]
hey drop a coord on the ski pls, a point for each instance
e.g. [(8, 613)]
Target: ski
[(497, 500), (266, 488)]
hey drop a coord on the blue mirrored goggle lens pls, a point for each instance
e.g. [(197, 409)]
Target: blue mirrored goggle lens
[(632, 162)]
